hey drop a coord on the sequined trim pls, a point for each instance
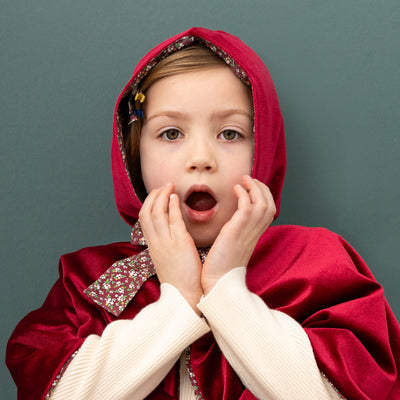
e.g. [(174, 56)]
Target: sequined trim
[(179, 44), (59, 375), (333, 386), (192, 377)]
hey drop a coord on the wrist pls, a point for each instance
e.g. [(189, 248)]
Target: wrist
[(208, 282), (192, 299)]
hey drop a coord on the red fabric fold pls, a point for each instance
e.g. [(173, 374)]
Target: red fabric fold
[(355, 337)]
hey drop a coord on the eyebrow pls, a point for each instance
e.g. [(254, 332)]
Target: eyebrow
[(216, 114)]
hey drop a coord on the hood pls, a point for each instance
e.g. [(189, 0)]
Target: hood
[(269, 151)]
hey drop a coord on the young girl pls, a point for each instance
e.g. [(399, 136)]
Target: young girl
[(207, 301)]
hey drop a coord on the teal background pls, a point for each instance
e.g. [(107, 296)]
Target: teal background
[(63, 63)]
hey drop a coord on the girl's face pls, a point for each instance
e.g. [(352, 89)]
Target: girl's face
[(198, 134)]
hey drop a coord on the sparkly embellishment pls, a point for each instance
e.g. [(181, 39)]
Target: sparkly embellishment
[(193, 381), (59, 375)]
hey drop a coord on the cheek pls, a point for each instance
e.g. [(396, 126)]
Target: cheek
[(156, 171), (244, 164), (244, 159)]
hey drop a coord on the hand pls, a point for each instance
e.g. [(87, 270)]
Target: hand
[(171, 247), (235, 243)]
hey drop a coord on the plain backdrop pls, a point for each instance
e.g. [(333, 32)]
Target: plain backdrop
[(63, 63)]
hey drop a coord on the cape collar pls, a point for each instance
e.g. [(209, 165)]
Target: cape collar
[(116, 287)]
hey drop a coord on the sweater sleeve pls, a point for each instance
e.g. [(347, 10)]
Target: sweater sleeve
[(269, 350), (132, 356)]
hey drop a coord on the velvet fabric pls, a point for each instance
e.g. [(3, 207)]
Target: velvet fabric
[(311, 274)]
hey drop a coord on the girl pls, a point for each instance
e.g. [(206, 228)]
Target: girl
[(207, 301)]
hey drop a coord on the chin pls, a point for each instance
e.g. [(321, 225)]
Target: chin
[(204, 234), (204, 243), (203, 239)]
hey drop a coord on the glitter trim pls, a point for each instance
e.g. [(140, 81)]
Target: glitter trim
[(59, 375), (193, 381)]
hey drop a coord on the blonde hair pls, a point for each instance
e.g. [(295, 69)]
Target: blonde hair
[(190, 58)]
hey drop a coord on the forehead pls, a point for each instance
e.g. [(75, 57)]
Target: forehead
[(204, 90)]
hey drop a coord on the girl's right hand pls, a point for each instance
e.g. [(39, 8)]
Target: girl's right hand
[(171, 247)]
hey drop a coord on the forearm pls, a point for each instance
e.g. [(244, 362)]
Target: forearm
[(268, 349), (132, 356)]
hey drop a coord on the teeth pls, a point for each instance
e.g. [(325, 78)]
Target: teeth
[(201, 201)]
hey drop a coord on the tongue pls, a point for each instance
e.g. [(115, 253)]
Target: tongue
[(201, 201)]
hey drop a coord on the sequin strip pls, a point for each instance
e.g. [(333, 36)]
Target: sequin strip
[(193, 381), (333, 386), (60, 374), (184, 41)]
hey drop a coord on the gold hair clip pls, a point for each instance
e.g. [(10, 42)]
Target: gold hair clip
[(139, 96)]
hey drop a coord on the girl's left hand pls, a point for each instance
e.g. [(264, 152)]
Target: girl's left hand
[(235, 243)]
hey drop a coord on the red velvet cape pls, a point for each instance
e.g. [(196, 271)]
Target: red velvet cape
[(311, 274)]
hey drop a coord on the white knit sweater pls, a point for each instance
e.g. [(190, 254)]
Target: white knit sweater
[(269, 350)]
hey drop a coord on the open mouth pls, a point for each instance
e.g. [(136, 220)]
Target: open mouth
[(200, 201)]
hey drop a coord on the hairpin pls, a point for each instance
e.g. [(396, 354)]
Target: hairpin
[(136, 113), (139, 96)]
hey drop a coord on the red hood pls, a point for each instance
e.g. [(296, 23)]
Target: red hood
[(269, 156)]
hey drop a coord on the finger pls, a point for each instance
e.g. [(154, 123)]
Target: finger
[(268, 198), (261, 198), (242, 195), (254, 189), (145, 213), (148, 203), (244, 203), (159, 211), (267, 193), (147, 219), (176, 222)]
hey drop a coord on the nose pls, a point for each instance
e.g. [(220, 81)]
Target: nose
[(201, 156)]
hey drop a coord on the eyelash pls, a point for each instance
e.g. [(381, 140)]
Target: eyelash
[(237, 135), (164, 135)]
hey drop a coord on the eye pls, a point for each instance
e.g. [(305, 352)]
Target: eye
[(230, 135), (171, 134)]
